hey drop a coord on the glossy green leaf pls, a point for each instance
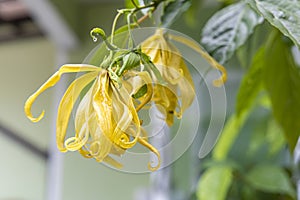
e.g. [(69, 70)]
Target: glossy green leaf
[(215, 183), (270, 178), (251, 84), (284, 15), (228, 29), (173, 10), (282, 82)]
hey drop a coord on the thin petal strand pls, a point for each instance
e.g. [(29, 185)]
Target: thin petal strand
[(155, 151), (66, 105), (50, 83), (218, 82)]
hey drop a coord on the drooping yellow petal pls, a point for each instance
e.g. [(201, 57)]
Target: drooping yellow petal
[(102, 104), (125, 117), (83, 117), (66, 104), (75, 143), (100, 147), (135, 81), (167, 103), (186, 87), (178, 94), (83, 110), (219, 82), (155, 151), (51, 82)]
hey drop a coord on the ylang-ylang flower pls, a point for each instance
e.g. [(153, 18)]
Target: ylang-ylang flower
[(174, 97), (106, 120)]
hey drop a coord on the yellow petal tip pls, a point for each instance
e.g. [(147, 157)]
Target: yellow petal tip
[(35, 119), (150, 167)]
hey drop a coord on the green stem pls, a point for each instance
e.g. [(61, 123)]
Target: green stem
[(130, 42), (96, 32), (114, 27)]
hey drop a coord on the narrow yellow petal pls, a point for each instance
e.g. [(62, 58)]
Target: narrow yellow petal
[(75, 143), (186, 87), (102, 104), (155, 151), (219, 82), (85, 153), (167, 102), (100, 148), (50, 83), (85, 116), (84, 110), (66, 104), (129, 117)]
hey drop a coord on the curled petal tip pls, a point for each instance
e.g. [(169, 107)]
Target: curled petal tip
[(218, 83), (73, 144), (221, 81), (35, 119), (151, 168), (62, 149)]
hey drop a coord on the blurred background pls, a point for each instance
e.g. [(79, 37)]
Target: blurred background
[(36, 38)]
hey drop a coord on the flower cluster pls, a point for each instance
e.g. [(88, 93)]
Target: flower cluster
[(106, 120)]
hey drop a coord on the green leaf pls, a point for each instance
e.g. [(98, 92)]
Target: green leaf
[(228, 29), (129, 4), (282, 82), (270, 178), (228, 136), (274, 137), (130, 60), (141, 92), (215, 183), (251, 84), (284, 15), (173, 10)]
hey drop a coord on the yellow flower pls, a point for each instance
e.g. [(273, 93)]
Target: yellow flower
[(178, 94), (195, 46), (106, 120)]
